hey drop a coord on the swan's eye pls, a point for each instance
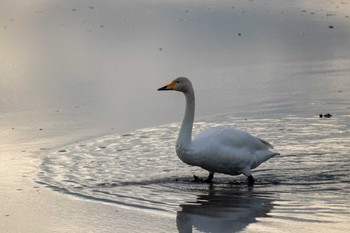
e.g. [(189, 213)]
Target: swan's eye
[(177, 81)]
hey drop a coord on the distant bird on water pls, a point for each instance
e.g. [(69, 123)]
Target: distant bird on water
[(217, 149)]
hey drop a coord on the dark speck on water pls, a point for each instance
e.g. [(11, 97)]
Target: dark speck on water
[(328, 115), (127, 135)]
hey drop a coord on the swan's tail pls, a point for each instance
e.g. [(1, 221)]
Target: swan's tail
[(262, 156), (266, 143)]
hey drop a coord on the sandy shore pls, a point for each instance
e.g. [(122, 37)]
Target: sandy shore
[(29, 207)]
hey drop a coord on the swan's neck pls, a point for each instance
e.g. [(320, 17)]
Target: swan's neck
[(185, 135)]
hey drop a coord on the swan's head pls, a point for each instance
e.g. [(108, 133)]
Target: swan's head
[(180, 84)]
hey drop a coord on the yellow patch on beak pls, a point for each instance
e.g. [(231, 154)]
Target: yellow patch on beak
[(168, 87), (171, 85)]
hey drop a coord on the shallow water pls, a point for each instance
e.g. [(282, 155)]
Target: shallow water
[(75, 69), (308, 183)]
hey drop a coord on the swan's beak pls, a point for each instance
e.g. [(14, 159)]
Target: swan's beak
[(168, 87)]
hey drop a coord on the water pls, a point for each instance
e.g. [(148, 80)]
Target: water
[(76, 69), (309, 181), (305, 188)]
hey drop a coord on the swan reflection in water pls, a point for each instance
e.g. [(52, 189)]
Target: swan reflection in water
[(223, 210)]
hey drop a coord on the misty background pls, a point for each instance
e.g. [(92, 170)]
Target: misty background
[(97, 64)]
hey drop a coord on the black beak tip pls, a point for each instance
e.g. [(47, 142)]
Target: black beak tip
[(162, 88)]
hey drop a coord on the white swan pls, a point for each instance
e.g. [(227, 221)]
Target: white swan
[(217, 149)]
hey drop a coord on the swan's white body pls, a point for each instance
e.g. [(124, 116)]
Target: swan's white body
[(218, 149)]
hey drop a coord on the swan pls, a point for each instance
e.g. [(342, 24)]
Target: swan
[(218, 149)]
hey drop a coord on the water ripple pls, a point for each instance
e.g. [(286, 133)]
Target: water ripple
[(141, 170)]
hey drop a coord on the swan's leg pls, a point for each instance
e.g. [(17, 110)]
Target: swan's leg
[(210, 177), (248, 174), (251, 180)]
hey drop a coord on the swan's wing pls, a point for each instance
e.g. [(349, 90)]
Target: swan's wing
[(230, 137), (228, 150)]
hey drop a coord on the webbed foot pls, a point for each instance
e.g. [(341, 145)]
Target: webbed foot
[(208, 180), (197, 179)]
